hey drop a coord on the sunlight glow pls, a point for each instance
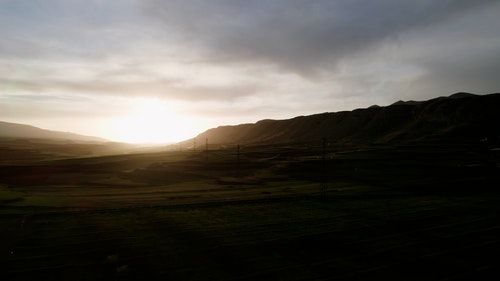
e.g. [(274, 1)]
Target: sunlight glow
[(154, 121)]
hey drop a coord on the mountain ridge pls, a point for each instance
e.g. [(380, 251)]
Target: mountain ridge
[(16, 130), (460, 117)]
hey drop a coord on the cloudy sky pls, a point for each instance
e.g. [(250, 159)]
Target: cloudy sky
[(153, 70)]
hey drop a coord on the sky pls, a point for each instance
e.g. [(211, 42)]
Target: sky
[(164, 71)]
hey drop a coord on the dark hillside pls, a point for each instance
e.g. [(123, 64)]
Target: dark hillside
[(461, 116), (14, 130)]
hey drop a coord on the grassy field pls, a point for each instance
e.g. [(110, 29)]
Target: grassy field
[(410, 212)]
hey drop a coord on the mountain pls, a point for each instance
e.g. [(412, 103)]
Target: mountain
[(13, 130), (459, 117)]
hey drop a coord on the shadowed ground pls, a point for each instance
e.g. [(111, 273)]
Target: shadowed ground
[(413, 212)]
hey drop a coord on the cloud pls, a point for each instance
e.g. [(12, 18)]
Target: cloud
[(299, 36), (59, 29), (183, 49), (476, 74), (142, 79), (456, 56)]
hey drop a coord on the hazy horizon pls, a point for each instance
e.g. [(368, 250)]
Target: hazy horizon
[(165, 71)]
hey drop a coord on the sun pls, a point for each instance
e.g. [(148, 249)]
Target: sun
[(154, 121)]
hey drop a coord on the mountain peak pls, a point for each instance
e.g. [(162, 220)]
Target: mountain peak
[(460, 95), (401, 102)]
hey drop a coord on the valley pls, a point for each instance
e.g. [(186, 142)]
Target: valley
[(289, 212)]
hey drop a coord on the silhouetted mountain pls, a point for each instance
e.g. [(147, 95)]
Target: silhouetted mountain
[(460, 117), (13, 130)]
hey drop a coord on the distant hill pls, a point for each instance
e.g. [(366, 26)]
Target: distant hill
[(14, 130), (459, 117)]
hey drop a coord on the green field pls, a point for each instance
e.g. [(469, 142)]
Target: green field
[(410, 212)]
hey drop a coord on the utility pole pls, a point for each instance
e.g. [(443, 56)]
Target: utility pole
[(238, 161), (323, 168), (206, 149)]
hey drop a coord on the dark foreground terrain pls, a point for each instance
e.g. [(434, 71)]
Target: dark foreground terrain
[(427, 211)]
